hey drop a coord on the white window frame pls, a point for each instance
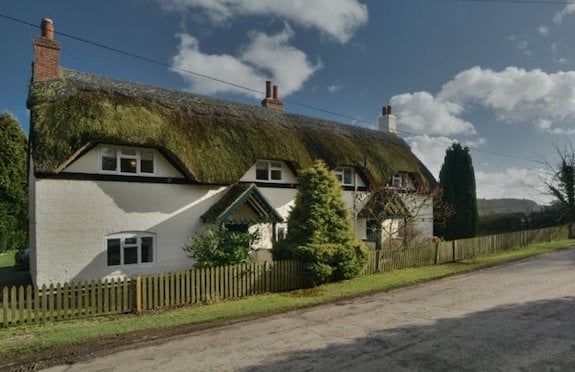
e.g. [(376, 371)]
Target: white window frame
[(137, 157), (340, 174), (401, 180), (271, 165), (124, 245)]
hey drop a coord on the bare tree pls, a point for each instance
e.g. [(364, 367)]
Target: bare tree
[(394, 214), (561, 183)]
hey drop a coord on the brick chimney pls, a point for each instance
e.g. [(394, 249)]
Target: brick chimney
[(387, 121), (46, 64), (272, 98)]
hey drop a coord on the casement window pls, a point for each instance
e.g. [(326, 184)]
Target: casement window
[(127, 161), (372, 230), (281, 233), (128, 249), (267, 170), (402, 180), (344, 175)]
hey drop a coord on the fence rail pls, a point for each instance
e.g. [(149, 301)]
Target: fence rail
[(27, 305)]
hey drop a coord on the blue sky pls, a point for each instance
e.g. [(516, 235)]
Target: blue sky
[(498, 77)]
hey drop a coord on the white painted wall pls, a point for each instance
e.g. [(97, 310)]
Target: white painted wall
[(73, 219)]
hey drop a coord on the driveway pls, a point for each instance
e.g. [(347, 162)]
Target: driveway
[(519, 316)]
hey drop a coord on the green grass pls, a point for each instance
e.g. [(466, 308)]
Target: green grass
[(23, 341), (7, 258)]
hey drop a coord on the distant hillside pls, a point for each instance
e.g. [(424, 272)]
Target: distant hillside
[(489, 207)]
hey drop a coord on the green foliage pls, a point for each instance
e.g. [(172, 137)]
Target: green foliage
[(457, 180), (13, 185), (320, 214), (326, 263), (218, 246), (320, 233)]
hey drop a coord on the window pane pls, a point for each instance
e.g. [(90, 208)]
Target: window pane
[(109, 159), (128, 165), (347, 177), (114, 252), (276, 164), (130, 255), (129, 152), (131, 241), (262, 170), (146, 162), (276, 174), (147, 249)]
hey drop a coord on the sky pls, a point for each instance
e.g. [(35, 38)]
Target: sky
[(497, 76)]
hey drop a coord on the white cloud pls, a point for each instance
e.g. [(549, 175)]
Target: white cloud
[(338, 19), (422, 113), (334, 88), (264, 58), (430, 150), (569, 8), (514, 94), (543, 30), (516, 183)]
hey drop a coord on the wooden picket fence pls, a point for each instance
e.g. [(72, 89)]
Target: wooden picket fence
[(125, 295), (451, 251), (20, 305)]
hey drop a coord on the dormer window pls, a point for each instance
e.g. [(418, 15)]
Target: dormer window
[(402, 180), (267, 170), (344, 175), (127, 161)]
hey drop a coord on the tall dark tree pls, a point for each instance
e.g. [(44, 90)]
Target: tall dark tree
[(457, 180), (13, 187)]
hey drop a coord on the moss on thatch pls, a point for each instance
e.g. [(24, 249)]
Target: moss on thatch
[(216, 140)]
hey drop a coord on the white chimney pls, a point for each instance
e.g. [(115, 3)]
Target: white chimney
[(387, 121)]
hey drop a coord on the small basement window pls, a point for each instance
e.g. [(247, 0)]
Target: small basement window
[(127, 161), (128, 249), (267, 170)]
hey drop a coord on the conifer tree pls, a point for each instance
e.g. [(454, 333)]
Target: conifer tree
[(13, 185), (457, 180), (320, 234)]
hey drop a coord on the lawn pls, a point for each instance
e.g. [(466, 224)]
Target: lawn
[(26, 341), (7, 258)]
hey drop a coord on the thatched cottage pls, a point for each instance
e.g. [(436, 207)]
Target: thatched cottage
[(122, 173)]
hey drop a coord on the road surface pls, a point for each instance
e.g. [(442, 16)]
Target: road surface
[(519, 316)]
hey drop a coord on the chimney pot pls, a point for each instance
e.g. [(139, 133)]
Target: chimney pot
[(276, 94), (268, 89), (47, 27), (388, 110)]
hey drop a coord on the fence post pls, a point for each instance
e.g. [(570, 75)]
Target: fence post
[(138, 294), (454, 250)]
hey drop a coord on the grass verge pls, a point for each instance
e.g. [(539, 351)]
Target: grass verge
[(19, 343), (7, 258)]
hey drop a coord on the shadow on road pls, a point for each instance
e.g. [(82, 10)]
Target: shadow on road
[(536, 335)]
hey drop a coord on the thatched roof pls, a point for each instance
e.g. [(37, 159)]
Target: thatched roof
[(216, 140)]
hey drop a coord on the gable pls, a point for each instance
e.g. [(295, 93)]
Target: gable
[(242, 203), (254, 174), (90, 161)]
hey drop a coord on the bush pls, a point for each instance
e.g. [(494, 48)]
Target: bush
[(218, 246), (324, 263)]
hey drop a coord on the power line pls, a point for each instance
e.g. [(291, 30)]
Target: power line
[(537, 2), (164, 64)]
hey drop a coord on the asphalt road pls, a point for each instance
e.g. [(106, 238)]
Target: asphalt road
[(515, 317)]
